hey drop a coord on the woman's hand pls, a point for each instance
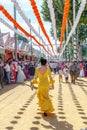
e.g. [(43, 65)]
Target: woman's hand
[(32, 86), (52, 86)]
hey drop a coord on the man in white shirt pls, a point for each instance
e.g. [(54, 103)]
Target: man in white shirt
[(7, 72), (60, 72), (66, 73)]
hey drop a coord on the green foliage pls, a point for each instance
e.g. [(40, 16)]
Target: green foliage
[(45, 11), (84, 51), (84, 16), (58, 9), (82, 32), (21, 38)]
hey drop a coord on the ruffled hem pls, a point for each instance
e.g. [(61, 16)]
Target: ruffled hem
[(46, 109), (51, 81), (45, 104)]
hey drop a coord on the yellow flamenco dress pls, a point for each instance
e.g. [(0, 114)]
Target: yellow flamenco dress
[(43, 81)]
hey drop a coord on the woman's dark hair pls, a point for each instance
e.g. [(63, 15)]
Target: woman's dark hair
[(43, 61)]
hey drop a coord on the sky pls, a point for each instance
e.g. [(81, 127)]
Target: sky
[(27, 9)]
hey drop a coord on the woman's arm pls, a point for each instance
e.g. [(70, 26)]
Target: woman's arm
[(34, 81), (51, 81)]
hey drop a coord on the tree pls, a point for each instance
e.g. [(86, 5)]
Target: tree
[(58, 9), (21, 38), (58, 5)]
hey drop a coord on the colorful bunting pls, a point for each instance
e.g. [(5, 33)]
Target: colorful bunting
[(35, 9), (18, 8), (4, 11), (81, 9), (64, 21), (52, 14)]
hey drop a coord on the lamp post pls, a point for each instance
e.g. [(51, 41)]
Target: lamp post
[(67, 47), (30, 43), (74, 36), (15, 35)]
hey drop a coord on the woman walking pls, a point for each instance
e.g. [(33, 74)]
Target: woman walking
[(20, 76), (43, 78)]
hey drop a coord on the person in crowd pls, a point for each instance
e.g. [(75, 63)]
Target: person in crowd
[(85, 69), (73, 71), (66, 73), (15, 66), (20, 76), (58, 65), (62, 65), (1, 74), (78, 70), (81, 70), (7, 72), (60, 72), (26, 72), (51, 66), (12, 72), (54, 67), (43, 78), (31, 70)]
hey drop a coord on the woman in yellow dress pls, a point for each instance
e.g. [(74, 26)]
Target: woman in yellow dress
[(43, 78)]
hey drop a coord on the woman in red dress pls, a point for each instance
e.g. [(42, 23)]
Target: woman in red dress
[(13, 72)]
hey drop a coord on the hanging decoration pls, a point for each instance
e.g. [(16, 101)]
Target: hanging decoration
[(16, 31), (52, 14), (64, 21), (4, 11), (36, 12), (81, 9), (13, 29), (18, 8)]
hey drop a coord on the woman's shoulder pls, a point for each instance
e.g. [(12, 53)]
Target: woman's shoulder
[(47, 67), (37, 68)]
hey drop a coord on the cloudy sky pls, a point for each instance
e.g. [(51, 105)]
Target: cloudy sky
[(27, 9)]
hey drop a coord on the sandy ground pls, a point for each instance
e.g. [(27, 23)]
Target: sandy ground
[(19, 109)]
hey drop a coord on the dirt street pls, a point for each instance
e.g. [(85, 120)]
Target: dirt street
[(19, 109)]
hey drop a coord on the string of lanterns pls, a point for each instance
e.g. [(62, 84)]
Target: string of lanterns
[(52, 15), (12, 28), (4, 11), (81, 9), (64, 21), (20, 11), (36, 12)]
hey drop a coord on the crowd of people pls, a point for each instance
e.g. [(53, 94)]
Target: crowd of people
[(40, 73), (13, 71), (18, 72), (74, 69), (43, 78)]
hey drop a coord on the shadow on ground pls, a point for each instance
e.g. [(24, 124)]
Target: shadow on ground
[(54, 124), (7, 88)]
